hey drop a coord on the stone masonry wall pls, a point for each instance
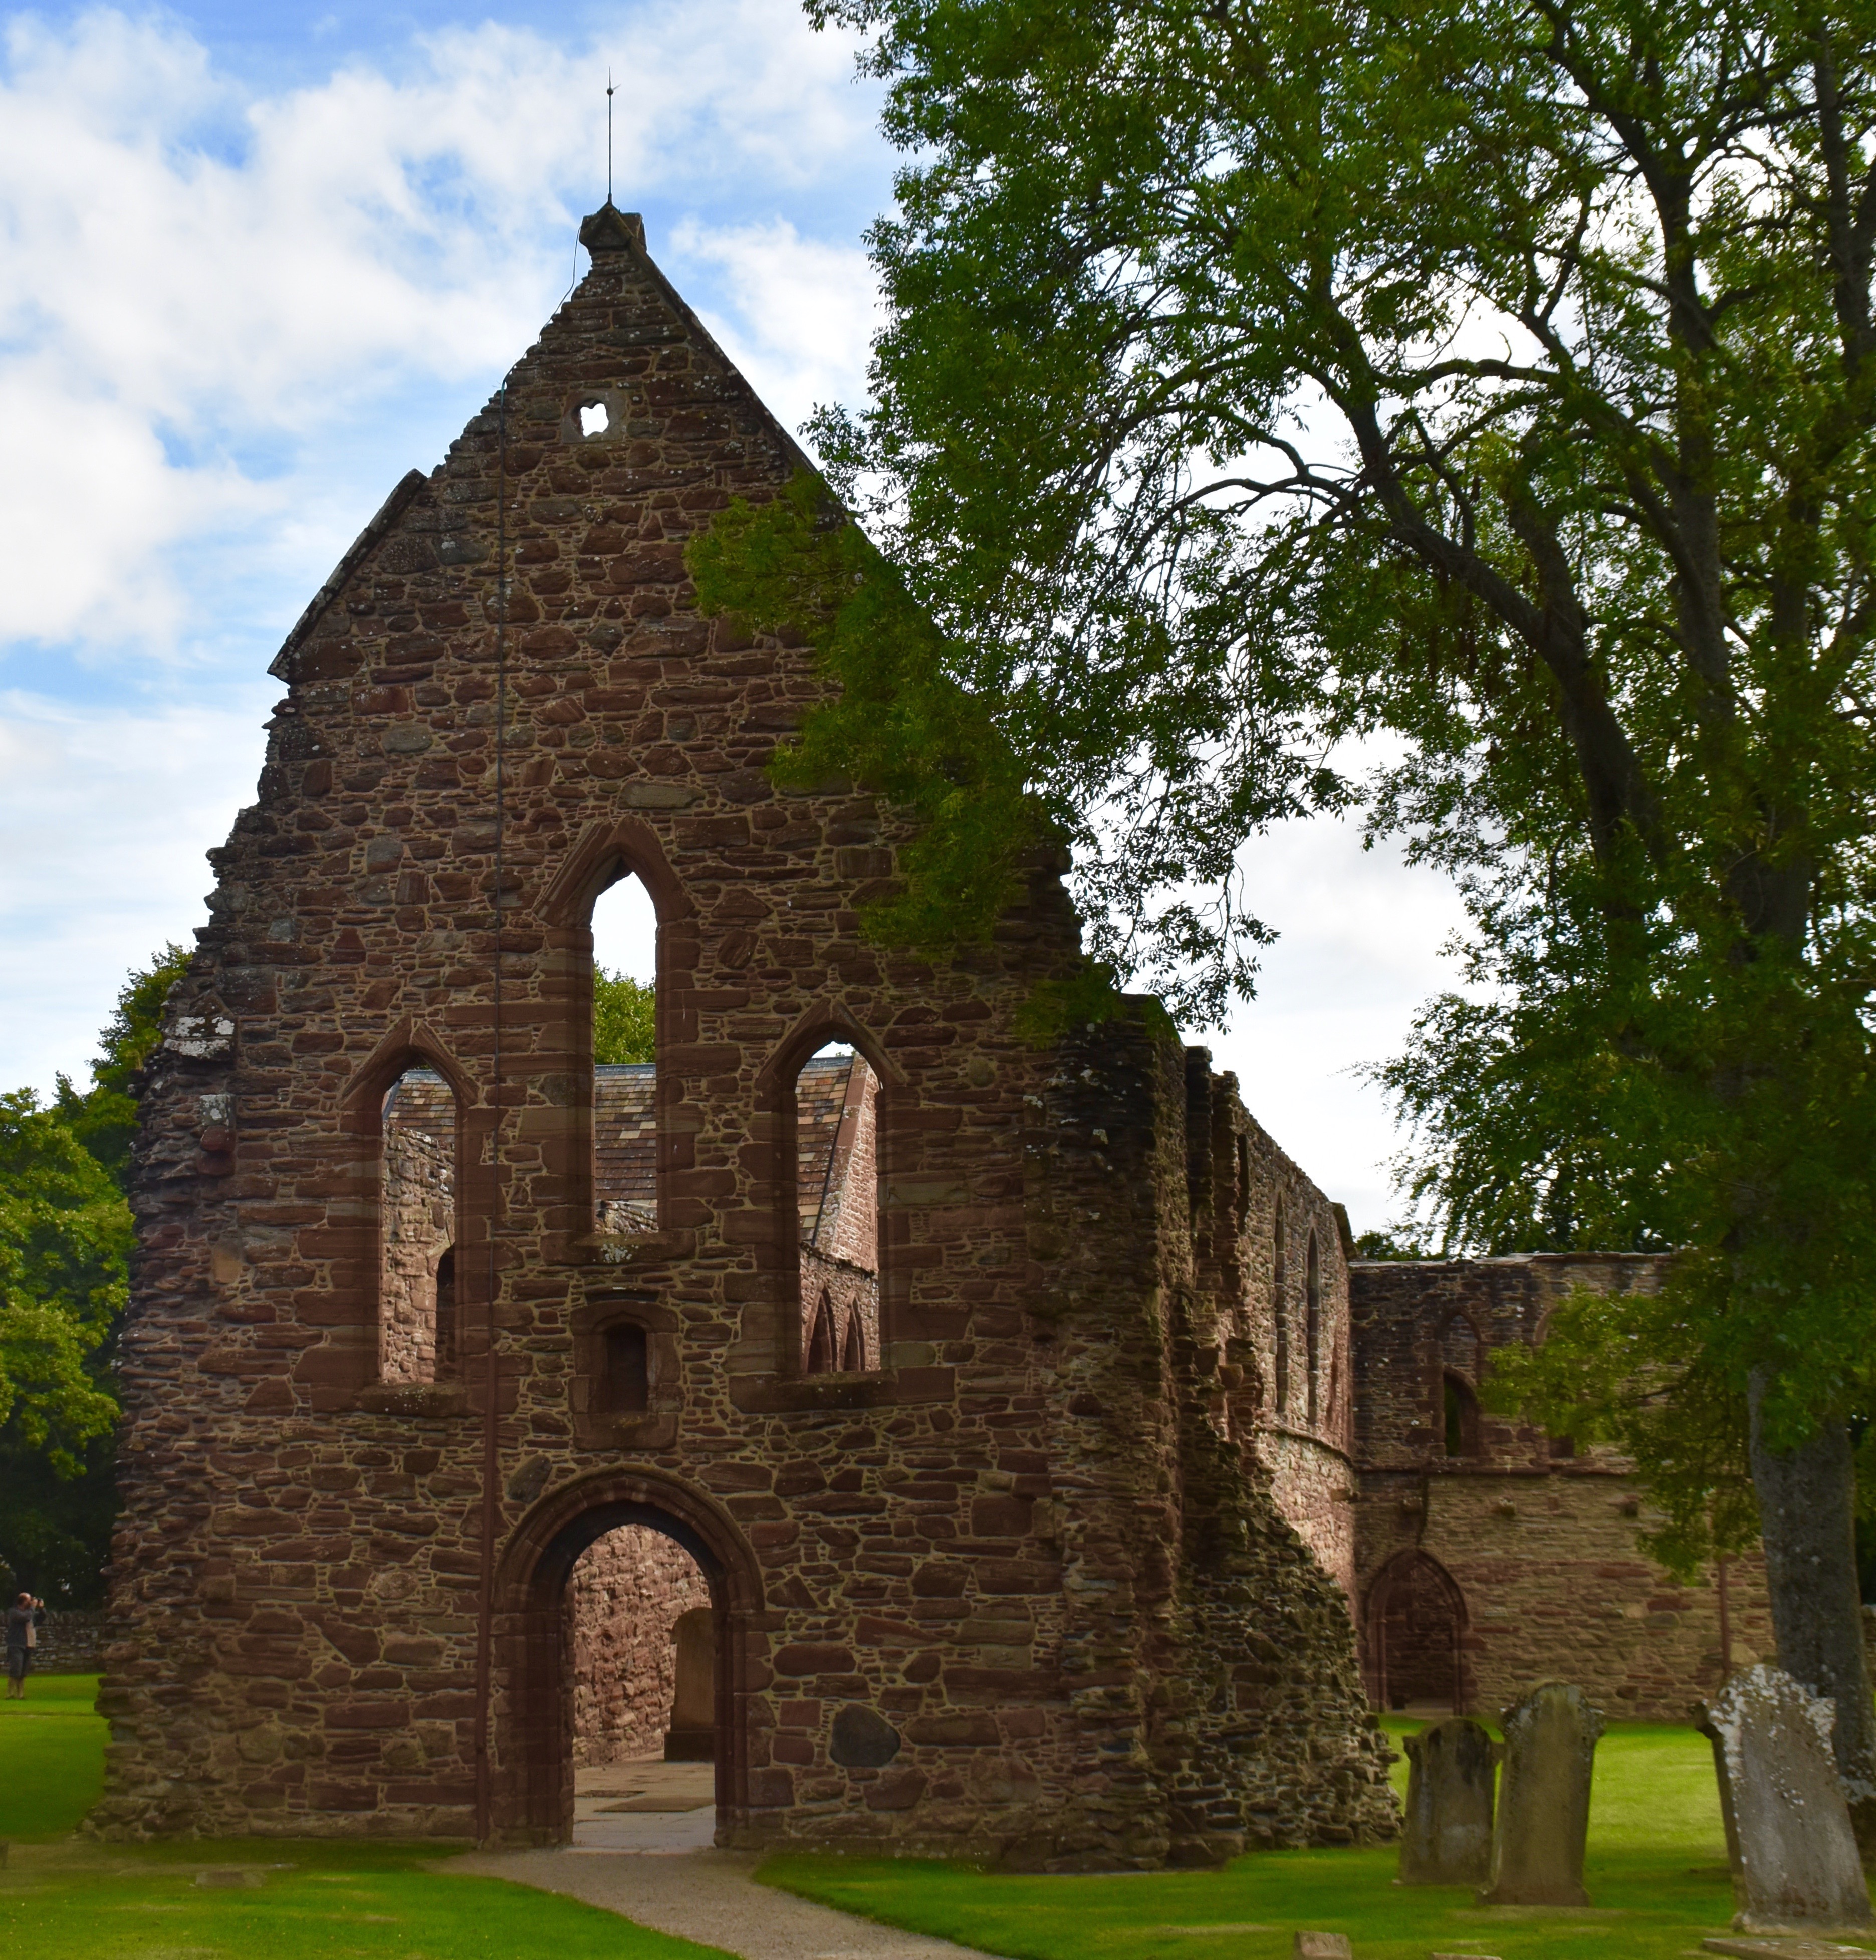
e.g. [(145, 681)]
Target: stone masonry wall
[(1541, 1546), (624, 1594), (1036, 1541)]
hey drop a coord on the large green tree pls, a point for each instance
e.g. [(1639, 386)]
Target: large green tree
[(1494, 380), (65, 1246), (66, 1235)]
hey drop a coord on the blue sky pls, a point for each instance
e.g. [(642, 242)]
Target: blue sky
[(256, 262)]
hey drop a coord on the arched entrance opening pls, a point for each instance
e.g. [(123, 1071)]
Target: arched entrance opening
[(1416, 1627), (641, 1634), (617, 1562)]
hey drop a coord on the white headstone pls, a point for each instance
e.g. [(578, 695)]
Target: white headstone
[(1788, 1836)]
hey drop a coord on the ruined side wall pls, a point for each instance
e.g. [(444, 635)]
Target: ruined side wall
[(625, 1594), (1250, 1726), (1541, 1546)]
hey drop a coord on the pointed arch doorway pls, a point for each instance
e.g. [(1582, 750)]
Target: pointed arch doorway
[(532, 1743), (1416, 1628)]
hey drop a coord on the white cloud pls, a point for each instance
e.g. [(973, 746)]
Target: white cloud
[(102, 824), (801, 313), (200, 285), (1362, 935)]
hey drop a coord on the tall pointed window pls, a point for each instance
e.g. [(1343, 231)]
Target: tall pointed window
[(1279, 1307), (837, 1204), (417, 1200), (1312, 1325), (624, 1077)]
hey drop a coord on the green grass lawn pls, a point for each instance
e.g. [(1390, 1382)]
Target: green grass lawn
[(65, 1900), (317, 1900), (51, 1758), (1656, 1873)]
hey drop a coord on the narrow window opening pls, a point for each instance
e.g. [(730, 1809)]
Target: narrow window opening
[(1279, 1307), (1562, 1447), (837, 1203), (448, 1350), (1461, 1412), (628, 1370), (593, 419), (821, 1339), (1312, 1323), (625, 1048), (417, 1190)]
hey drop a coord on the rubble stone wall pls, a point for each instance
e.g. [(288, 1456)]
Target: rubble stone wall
[(1541, 1545), (624, 1594), (1036, 1543)]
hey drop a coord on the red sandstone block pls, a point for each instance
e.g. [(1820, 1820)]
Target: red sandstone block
[(771, 1788), (368, 1715), (1001, 1517), (969, 1732), (896, 1790), (806, 1659)]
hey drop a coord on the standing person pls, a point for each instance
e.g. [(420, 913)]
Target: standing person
[(23, 1619)]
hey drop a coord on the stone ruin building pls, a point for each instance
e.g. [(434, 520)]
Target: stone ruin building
[(1490, 1556), (969, 1447)]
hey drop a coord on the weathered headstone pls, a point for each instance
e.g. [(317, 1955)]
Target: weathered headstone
[(1321, 1946), (1789, 1835), (1448, 1836), (1542, 1820)]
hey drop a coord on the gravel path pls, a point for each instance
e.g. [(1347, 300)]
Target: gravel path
[(709, 1896)]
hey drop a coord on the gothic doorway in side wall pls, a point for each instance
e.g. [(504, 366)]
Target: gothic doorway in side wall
[(624, 1609), (1416, 1628)]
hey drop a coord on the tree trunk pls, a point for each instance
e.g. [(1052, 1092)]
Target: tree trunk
[(1807, 1510)]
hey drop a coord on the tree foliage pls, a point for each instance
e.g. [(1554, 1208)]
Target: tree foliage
[(64, 1244), (1497, 380), (104, 1117), (66, 1235), (623, 1018), (901, 723)]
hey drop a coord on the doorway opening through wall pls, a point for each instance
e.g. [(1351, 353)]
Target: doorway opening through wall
[(417, 1203), (642, 1725), (837, 1200), (1416, 1624), (624, 1081)]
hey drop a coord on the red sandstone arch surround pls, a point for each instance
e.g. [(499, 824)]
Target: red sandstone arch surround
[(1415, 1630), (532, 1779)]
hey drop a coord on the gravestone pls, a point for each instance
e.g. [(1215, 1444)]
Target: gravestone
[(692, 1737), (1788, 1836), (1543, 1821), (1447, 1840)]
